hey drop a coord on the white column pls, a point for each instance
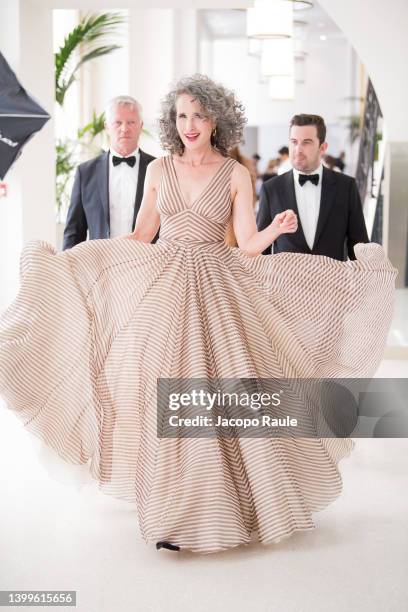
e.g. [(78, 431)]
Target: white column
[(163, 47), (106, 77), (205, 50), (27, 212), (395, 213), (186, 42)]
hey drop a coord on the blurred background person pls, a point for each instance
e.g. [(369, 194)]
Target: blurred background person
[(255, 161), (331, 162), (271, 169), (340, 161), (284, 161), (236, 154)]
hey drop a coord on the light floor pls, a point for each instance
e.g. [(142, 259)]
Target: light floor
[(58, 536)]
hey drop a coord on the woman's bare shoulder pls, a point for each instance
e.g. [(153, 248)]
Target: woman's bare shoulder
[(155, 170), (240, 172), (156, 165)]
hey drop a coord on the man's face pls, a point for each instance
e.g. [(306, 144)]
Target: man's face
[(305, 151), (124, 126)]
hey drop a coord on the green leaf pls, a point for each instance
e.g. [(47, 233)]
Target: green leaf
[(95, 127), (92, 28), (98, 52)]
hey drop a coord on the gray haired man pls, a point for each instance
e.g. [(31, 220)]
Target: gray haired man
[(108, 189)]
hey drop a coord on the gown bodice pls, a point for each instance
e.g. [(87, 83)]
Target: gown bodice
[(206, 219)]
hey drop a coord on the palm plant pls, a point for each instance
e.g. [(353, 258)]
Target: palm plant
[(87, 37), (87, 136), (94, 127), (353, 123), (65, 166)]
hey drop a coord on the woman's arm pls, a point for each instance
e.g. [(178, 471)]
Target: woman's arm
[(148, 218), (249, 239)]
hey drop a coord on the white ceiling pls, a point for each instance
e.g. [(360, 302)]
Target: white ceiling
[(232, 24)]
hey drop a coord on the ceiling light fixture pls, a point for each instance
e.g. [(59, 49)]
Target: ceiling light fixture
[(270, 19), (301, 5)]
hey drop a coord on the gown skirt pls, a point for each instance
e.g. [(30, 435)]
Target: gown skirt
[(94, 327)]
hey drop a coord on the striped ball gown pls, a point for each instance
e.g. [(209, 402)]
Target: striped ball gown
[(94, 327)]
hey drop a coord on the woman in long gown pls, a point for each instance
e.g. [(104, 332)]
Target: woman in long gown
[(93, 328)]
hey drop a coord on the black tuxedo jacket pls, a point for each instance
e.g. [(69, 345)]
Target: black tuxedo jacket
[(89, 207), (340, 223)]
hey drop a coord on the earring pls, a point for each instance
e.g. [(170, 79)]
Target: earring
[(214, 133)]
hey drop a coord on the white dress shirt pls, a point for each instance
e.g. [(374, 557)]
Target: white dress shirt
[(122, 194), (308, 203)]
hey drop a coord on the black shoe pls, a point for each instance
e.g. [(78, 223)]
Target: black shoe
[(163, 544)]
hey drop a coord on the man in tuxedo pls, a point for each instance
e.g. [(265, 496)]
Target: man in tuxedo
[(108, 189), (327, 203)]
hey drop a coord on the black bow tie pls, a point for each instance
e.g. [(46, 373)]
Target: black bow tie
[(314, 178), (129, 160)]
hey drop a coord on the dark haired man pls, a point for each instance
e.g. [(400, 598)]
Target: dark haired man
[(327, 203)]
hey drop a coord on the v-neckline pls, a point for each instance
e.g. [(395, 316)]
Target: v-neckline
[(203, 191)]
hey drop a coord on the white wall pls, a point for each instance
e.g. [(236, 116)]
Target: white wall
[(378, 32)]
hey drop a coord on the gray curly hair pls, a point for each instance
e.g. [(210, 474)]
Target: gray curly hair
[(218, 103)]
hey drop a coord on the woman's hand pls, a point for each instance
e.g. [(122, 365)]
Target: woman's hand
[(285, 222), (249, 240)]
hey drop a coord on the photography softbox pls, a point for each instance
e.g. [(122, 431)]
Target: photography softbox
[(20, 117)]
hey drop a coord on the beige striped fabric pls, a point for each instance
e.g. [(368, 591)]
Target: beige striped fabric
[(94, 327)]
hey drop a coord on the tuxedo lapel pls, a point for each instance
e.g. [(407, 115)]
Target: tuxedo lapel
[(329, 185), (288, 197), (102, 179), (140, 183)]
